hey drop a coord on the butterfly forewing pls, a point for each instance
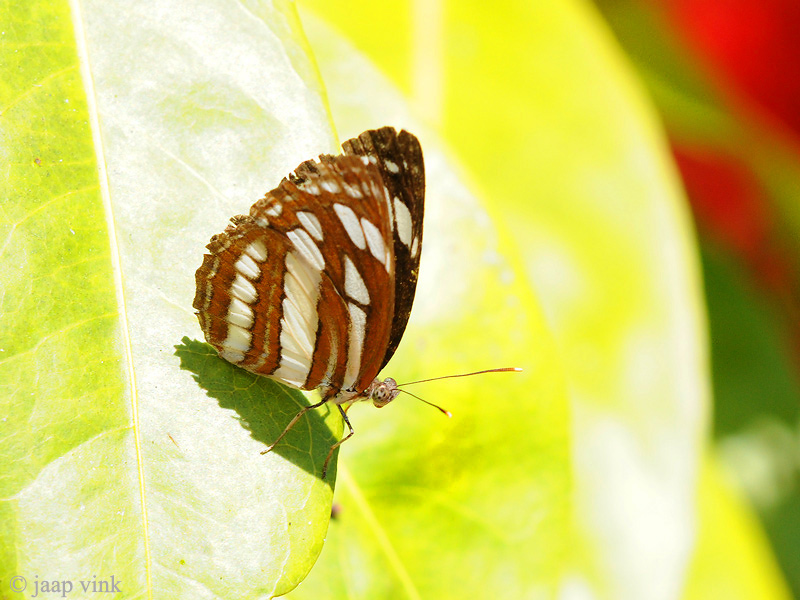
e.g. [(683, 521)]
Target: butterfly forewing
[(340, 208), (399, 158), (303, 289)]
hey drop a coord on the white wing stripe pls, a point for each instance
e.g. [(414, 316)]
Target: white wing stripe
[(375, 240), (353, 283), (244, 290), (293, 323), (275, 210), (240, 314), (357, 330), (350, 223), (300, 320), (402, 218), (306, 247), (257, 250), (238, 339), (300, 302), (247, 267), (311, 224), (303, 275)]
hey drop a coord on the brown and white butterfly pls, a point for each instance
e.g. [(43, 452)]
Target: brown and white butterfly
[(314, 287)]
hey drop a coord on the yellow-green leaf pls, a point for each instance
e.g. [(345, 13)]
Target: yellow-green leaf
[(131, 133), (433, 508)]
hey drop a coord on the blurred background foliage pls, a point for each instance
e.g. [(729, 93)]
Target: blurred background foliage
[(723, 78)]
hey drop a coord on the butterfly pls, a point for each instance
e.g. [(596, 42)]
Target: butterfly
[(314, 287)]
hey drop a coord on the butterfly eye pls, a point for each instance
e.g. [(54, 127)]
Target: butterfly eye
[(382, 396)]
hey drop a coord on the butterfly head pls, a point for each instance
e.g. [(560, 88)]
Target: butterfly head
[(382, 392)]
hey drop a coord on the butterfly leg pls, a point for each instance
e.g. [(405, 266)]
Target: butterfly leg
[(340, 442), (292, 423)]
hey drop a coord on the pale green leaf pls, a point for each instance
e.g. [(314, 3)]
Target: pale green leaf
[(129, 448)]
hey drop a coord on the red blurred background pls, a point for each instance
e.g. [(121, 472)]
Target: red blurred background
[(726, 79)]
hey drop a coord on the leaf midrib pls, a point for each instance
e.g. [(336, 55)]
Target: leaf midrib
[(378, 531), (81, 45)]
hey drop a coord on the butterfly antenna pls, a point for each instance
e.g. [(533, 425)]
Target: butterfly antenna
[(446, 412), (501, 370)]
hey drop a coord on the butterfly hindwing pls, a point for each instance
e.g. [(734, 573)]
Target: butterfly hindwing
[(237, 306)]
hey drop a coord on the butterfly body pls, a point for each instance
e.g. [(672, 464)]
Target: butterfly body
[(314, 287)]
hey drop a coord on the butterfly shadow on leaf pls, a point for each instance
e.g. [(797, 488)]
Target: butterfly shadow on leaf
[(264, 407)]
